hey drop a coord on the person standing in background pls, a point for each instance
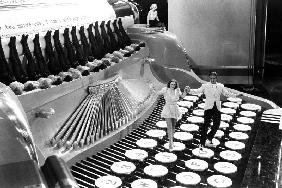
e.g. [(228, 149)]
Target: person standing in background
[(170, 110), (152, 16), (212, 91)]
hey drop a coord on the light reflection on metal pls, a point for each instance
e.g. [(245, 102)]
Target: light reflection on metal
[(12, 109)]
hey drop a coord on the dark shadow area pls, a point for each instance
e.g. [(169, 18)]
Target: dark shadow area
[(270, 89)]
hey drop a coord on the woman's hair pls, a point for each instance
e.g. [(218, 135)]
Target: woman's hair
[(154, 5), (172, 80), (213, 74)]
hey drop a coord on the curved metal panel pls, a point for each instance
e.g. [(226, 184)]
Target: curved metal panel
[(16, 138)]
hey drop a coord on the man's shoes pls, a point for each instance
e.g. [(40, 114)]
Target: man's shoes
[(209, 143), (201, 147)]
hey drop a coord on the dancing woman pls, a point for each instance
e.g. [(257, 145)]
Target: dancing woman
[(171, 111)]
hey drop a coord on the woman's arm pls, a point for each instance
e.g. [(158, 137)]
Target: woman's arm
[(148, 17), (162, 91), (157, 17)]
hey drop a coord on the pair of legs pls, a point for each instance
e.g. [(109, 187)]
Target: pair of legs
[(214, 115), (171, 122), (153, 23)]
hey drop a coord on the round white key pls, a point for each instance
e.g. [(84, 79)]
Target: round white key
[(123, 167), (183, 136), (196, 164), (136, 154), (146, 143), (248, 113), (225, 117), (189, 127), (230, 105), (233, 99), (234, 145), (198, 112), (155, 133), (177, 146), (219, 181), (108, 182), (228, 111), (245, 120), (187, 104), (191, 98), (225, 167), (204, 153), (223, 125), (195, 119), (230, 155), (201, 105), (249, 106), (161, 124), (188, 178), (156, 170), (144, 183), (238, 135), (166, 157), (242, 127)]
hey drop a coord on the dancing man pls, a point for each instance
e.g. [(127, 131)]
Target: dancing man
[(212, 91)]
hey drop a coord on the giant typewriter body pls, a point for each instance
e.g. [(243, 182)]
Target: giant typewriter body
[(77, 133)]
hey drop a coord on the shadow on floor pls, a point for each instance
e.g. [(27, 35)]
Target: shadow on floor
[(270, 87)]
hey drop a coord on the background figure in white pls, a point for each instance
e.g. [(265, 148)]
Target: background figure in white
[(152, 17)]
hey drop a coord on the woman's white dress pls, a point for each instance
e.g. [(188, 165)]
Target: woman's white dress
[(171, 109)]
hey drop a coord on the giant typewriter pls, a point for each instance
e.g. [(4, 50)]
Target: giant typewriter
[(79, 109)]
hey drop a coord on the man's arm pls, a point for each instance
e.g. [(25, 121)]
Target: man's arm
[(227, 93), (194, 91), (184, 93)]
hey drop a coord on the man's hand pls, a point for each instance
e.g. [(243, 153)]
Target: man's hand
[(187, 89)]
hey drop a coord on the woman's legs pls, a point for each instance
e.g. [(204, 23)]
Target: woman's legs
[(170, 131)]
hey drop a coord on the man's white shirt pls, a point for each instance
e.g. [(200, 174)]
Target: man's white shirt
[(212, 93)]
